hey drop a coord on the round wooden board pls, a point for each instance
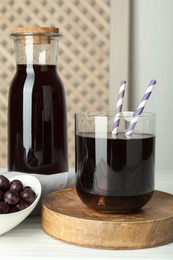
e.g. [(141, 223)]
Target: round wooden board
[(66, 218)]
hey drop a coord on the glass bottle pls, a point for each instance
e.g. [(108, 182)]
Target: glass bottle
[(37, 124)]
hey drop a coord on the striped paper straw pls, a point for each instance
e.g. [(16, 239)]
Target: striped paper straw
[(140, 108), (118, 107)]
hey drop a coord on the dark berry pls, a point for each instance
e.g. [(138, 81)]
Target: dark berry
[(4, 207), (17, 186), (4, 183), (28, 195), (1, 195), (11, 197), (13, 209), (21, 205), (27, 188)]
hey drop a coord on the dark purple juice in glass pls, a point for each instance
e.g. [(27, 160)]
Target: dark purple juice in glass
[(115, 174), (37, 130)]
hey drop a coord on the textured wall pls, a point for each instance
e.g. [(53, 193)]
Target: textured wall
[(83, 61)]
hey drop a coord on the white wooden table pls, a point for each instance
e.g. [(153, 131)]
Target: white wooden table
[(28, 240)]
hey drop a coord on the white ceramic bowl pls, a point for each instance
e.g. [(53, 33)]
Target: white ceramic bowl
[(10, 220)]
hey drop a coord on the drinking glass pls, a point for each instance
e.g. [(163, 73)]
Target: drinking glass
[(115, 173)]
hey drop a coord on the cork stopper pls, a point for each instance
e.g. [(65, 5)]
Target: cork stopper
[(39, 34), (36, 30)]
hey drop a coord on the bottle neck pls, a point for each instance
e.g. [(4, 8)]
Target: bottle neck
[(39, 50)]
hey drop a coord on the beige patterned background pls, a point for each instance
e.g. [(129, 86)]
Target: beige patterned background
[(83, 61)]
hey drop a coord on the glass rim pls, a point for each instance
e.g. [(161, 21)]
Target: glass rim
[(111, 113)]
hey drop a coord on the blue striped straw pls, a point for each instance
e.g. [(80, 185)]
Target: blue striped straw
[(118, 107), (140, 108)]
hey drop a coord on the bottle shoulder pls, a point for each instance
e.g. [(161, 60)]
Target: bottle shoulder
[(36, 77)]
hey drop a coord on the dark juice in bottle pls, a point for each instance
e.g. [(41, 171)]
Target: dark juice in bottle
[(37, 130)]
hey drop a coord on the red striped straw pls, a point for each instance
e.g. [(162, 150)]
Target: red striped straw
[(119, 107), (140, 108)]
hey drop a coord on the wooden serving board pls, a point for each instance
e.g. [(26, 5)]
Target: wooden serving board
[(66, 218)]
